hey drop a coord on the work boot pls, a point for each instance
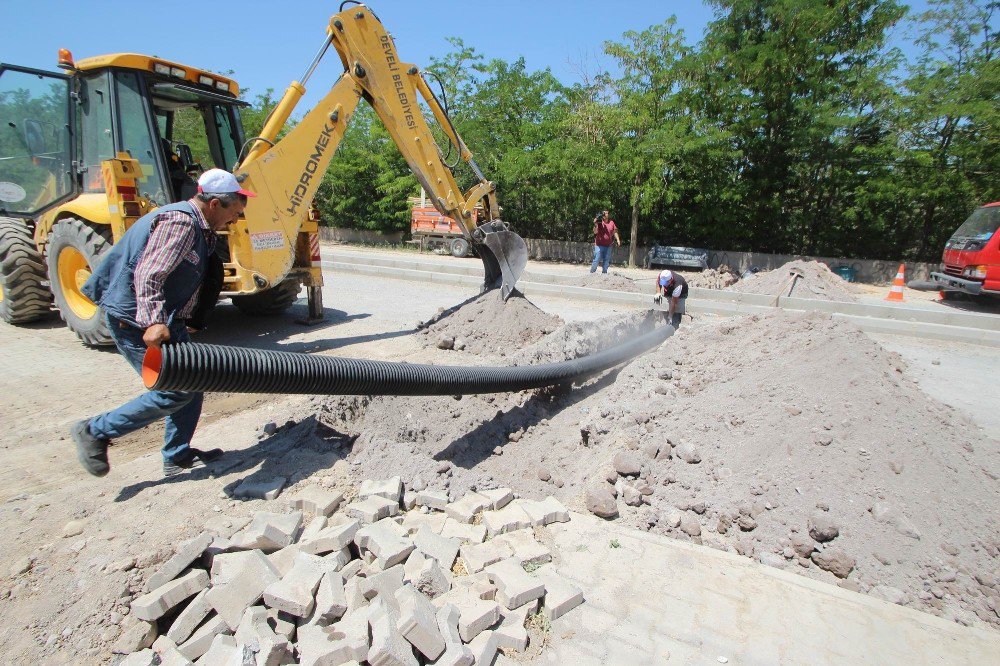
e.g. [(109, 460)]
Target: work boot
[(189, 459), (91, 451)]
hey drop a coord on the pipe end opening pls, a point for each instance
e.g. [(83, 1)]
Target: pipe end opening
[(152, 361)]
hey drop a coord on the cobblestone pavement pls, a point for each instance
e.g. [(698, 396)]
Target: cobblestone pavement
[(650, 600)]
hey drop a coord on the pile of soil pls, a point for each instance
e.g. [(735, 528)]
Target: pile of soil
[(817, 282), (711, 278), (488, 325), (614, 281), (790, 438)]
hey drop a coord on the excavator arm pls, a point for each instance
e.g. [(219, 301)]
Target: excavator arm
[(286, 173)]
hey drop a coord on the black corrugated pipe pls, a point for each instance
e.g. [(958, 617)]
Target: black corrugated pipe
[(190, 366)]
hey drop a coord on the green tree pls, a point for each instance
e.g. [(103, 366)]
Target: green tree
[(802, 85), (951, 119)]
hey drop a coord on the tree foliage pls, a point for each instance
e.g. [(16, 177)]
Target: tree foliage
[(791, 127)]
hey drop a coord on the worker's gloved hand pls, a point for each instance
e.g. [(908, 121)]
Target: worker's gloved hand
[(657, 299)]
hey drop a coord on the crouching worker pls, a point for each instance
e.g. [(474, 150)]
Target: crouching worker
[(157, 285), (675, 288)]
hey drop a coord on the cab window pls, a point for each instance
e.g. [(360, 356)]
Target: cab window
[(137, 138)]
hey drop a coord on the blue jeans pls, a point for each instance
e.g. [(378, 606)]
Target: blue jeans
[(602, 255), (182, 409)]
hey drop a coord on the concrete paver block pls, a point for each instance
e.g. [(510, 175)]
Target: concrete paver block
[(319, 646), (479, 556), (498, 497), (512, 633), (313, 527), (243, 589), (267, 489), (189, 618), (414, 520), (385, 543), (254, 632), (525, 547), (333, 538), (144, 657), (282, 623), (465, 509), (511, 517), (477, 584), (353, 630), (453, 529), (430, 578), (202, 638), (475, 615), (137, 635), (412, 566), (515, 586), (282, 560), (390, 489), (455, 652), (442, 549), (561, 596), (331, 600), (382, 584), (186, 553), (388, 647), (270, 531), (433, 499), (156, 604), (317, 501), (372, 509), (550, 510), (339, 559), (222, 648), (417, 622), (484, 647), (172, 657), (294, 593), (351, 569)]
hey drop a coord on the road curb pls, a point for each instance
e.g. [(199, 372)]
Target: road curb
[(913, 322)]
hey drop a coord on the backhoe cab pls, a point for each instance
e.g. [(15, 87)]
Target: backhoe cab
[(85, 152)]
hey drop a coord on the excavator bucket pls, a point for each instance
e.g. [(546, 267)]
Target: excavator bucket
[(504, 256)]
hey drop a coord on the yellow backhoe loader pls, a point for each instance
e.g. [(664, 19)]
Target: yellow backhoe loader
[(86, 152)]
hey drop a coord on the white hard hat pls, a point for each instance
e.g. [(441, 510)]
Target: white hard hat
[(665, 276)]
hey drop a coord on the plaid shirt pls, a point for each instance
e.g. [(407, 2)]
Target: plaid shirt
[(171, 239)]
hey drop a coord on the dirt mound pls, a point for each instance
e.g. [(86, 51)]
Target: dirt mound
[(488, 325), (612, 280), (711, 278), (793, 439), (817, 282)]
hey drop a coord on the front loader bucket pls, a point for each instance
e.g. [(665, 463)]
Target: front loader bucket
[(504, 256)]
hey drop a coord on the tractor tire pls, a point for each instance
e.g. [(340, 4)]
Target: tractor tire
[(75, 249), (459, 247), (23, 295), (274, 301)]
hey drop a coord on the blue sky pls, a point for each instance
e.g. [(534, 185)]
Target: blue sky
[(269, 44)]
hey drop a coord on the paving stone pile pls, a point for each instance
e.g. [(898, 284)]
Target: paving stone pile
[(391, 577)]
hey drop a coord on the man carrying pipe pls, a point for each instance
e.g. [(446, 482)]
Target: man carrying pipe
[(157, 285)]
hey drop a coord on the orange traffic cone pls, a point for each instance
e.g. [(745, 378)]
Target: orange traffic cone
[(896, 290)]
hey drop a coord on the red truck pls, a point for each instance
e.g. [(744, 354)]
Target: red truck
[(430, 228), (971, 261)]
